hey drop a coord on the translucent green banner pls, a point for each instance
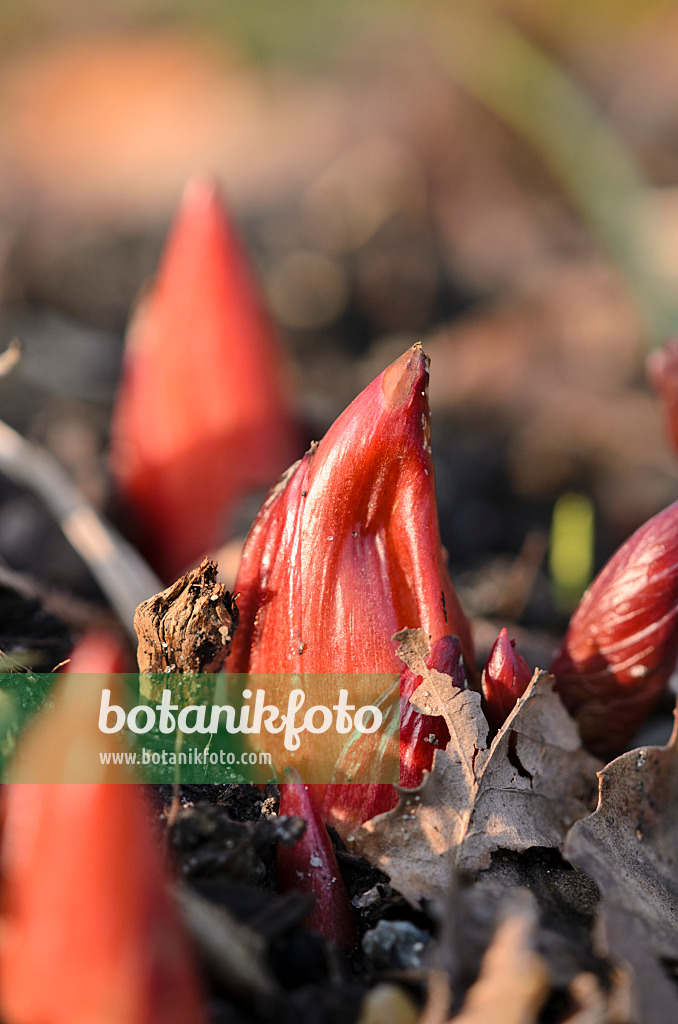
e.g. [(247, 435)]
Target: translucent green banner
[(84, 728)]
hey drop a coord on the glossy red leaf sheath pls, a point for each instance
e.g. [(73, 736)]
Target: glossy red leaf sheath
[(89, 933), (621, 645), (202, 414), (662, 366), (311, 866), (346, 550), (506, 677)]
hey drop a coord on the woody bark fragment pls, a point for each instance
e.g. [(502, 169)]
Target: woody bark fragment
[(185, 630)]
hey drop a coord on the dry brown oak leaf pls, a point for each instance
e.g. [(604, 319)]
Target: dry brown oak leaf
[(525, 789), (629, 845)]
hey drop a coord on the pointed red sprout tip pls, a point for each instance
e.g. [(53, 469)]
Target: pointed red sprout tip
[(621, 644), (401, 380), (310, 865), (202, 415), (506, 677), (64, 740)]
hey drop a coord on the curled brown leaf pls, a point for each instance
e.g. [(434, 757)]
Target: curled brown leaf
[(525, 789), (629, 846)]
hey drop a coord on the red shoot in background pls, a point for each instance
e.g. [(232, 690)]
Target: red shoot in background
[(621, 644), (202, 414)]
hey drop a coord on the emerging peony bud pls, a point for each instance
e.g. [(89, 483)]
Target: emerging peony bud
[(89, 932), (346, 549), (662, 368), (505, 679), (201, 417), (621, 645), (311, 866)]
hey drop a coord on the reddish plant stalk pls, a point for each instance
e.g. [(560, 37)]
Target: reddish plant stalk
[(311, 866)]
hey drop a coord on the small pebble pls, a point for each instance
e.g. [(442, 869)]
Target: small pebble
[(388, 1004), (396, 945)]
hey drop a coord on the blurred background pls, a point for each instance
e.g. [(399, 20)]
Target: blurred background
[(498, 179)]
